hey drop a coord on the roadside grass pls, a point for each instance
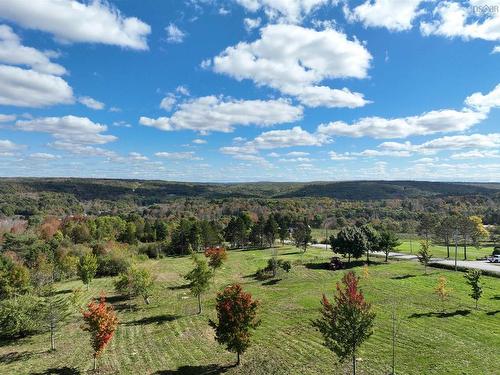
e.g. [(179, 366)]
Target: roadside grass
[(438, 251), (167, 337)]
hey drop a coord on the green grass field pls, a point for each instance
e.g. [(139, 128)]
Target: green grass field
[(167, 337)]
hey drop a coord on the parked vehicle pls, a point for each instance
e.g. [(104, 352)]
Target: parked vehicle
[(494, 259)]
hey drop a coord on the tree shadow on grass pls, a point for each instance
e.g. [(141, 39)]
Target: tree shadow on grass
[(491, 313), (402, 277), (292, 253), (14, 357), (158, 319), (59, 371), (496, 297), (178, 287), (197, 370), (441, 314), (126, 306), (352, 264), (63, 291), (115, 299)]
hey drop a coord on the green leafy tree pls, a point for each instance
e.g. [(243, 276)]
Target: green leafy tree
[(387, 242), (372, 240), (271, 230), (14, 278), (424, 255), (236, 317), (21, 316), (348, 322), (478, 231), (349, 241), (302, 235), (473, 278), (87, 268), (135, 282), (199, 279)]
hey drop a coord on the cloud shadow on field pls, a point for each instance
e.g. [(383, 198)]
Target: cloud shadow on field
[(197, 370), (443, 314), (59, 371), (158, 319)]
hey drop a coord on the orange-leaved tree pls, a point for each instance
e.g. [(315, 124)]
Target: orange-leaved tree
[(101, 322), (216, 256), (237, 315)]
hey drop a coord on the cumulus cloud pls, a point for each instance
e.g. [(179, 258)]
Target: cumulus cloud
[(83, 150), (277, 139), (484, 102), (70, 129), (44, 156), (447, 120), (12, 52), (174, 34), (89, 102), (7, 118), (251, 23), (168, 102), (395, 15), (294, 60), (72, 21), (199, 141), (476, 154), (136, 156), (189, 155), (466, 21), (29, 88), (292, 11), (336, 156), (211, 113), (8, 148)]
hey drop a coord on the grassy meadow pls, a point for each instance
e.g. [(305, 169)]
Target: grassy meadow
[(168, 337)]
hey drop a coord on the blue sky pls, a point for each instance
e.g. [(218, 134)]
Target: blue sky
[(251, 90)]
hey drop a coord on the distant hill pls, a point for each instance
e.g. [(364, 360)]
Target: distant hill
[(149, 191)]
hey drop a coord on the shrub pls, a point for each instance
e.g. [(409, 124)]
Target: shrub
[(21, 316), (113, 263)]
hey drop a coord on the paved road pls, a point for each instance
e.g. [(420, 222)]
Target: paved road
[(482, 265)]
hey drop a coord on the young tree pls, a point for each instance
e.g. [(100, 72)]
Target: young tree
[(302, 235), (351, 241), (237, 316), (87, 268), (424, 255), (135, 283), (473, 278), (348, 322), (387, 242), (199, 279), (441, 289), (372, 240), (466, 229), (426, 225), (271, 230), (56, 309), (478, 232), (216, 257), (101, 322), (444, 231)]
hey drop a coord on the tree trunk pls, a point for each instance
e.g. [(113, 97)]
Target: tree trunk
[(88, 286), (448, 249), (238, 360), (95, 362), (146, 300), (52, 337), (349, 258), (354, 364), (199, 303), (465, 251), (386, 256), (367, 256)]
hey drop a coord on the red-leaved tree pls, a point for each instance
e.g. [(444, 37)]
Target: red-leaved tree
[(216, 256), (347, 322), (237, 315), (101, 321)]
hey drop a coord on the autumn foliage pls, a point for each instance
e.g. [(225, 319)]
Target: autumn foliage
[(347, 322), (101, 321), (236, 315), (216, 256)]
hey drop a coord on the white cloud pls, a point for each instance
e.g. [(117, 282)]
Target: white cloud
[(83, 150), (7, 118), (183, 90), (8, 148), (71, 21), (446, 120), (284, 10), (211, 113), (12, 52), (135, 156), (253, 159), (460, 20), (335, 156), (168, 102), (70, 129), (91, 102), (174, 34), (190, 155), (484, 102), (294, 60), (115, 109), (395, 15), (29, 88), (44, 156), (278, 139), (251, 23), (297, 153), (496, 49), (199, 141), (476, 154)]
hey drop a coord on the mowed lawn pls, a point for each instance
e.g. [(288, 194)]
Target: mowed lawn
[(167, 337), (439, 251)]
